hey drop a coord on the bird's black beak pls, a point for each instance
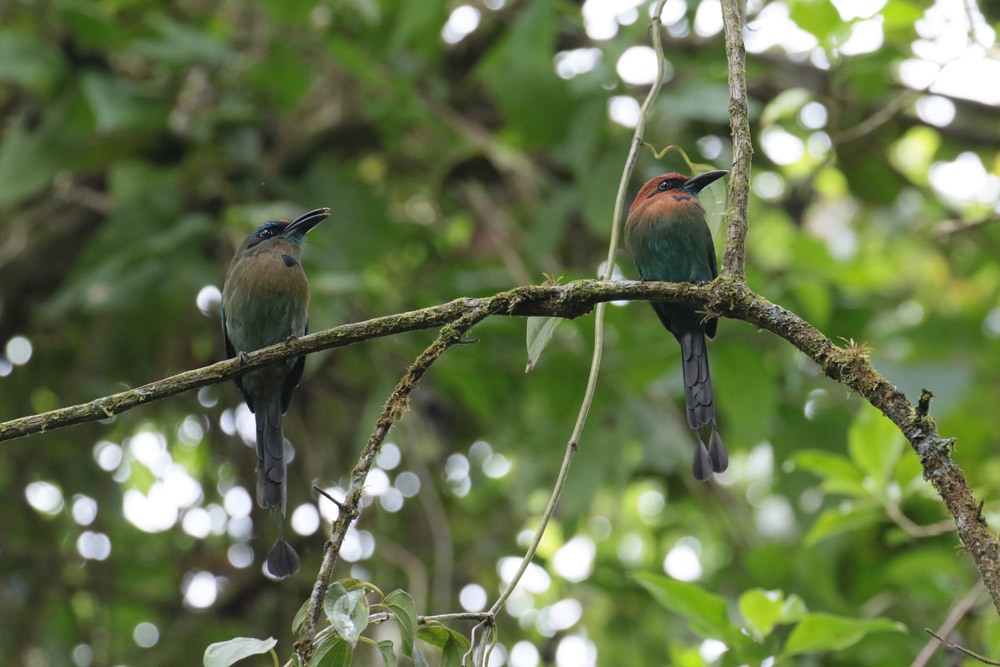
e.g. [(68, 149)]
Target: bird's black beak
[(301, 225), (698, 183)]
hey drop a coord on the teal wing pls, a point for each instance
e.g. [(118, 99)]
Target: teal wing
[(293, 377), (230, 353)]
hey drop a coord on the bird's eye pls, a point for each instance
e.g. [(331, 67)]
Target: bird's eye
[(664, 185), (266, 233)]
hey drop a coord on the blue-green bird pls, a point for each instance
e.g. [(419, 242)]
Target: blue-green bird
[(265, 301), (669, 239)]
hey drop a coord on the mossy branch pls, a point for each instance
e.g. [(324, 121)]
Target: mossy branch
[(392, 411), (725, 297), (570, 300)]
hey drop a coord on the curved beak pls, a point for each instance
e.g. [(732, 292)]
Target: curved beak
[(698, 183), (301, 225)]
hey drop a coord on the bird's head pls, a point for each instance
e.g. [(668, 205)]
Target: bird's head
[(675, 184), (293, 232)]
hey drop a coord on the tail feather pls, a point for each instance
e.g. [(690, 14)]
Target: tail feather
[(697, 380), (702, 467), (271, 473), (282, 561), (717, 452)]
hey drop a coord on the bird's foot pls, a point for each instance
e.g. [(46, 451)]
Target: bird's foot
[(291, 338), (244, 359)]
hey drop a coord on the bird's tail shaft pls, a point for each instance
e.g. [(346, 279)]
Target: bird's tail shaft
[(271, 473), (282, 561)]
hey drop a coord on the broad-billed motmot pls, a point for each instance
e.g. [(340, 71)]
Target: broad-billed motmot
[(266, 301), (669, 239)]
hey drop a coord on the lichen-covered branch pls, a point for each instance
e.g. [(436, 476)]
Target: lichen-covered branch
[(569, 301), (850, 366), (392, 411), (734, 252), (725, 297)]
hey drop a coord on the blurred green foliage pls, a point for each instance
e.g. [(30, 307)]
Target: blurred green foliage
[(142, 141)]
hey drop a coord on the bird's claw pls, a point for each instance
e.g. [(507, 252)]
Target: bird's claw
[(244, 359)]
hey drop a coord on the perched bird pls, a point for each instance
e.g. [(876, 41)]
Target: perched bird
[(669, 239), (265, 301)]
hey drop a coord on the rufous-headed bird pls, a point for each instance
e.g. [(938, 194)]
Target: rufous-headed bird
[(669, 239), (265, 301)]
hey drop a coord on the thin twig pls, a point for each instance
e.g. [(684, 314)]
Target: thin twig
[(595, 364), (326, 495), (962, 649), (914, 529), (381, 617), (951, 620), (393, 410), (877, 119)]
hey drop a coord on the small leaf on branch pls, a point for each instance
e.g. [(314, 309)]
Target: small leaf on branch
[(826, 632), (347, 612), (439, 635), (223, 654), (338, 653), (540, 331), (451, 654), (385, 649), (401, 605)]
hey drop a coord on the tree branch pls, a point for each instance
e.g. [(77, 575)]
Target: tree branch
[(393, 410), (734, 252), (722, 298), (569, 301), (595, 363)]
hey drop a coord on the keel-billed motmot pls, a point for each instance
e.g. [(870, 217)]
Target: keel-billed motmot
[(669, 239), (266, 301)]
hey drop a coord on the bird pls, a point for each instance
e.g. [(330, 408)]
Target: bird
[(667, 233), (265, 300)]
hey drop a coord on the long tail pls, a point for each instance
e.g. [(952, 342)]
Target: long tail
[(271, 474), (272, 490), (700, 401), (697, 379)]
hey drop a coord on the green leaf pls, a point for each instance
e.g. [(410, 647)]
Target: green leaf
[(706, 612), (875, 444), (337, 653), (29, 158), (28, 60), (418, 658), (540, 330), (417, 18), (439, 635), (223, 654), (401, 605), (300, 617), (785, 104), (115, 105), (388, 654), (347, 612), (451, 654), (741, 365), (825, 632), (838, 473), (836, 521), (819, 17), (179, 43), (761, 609), (792, 610)]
